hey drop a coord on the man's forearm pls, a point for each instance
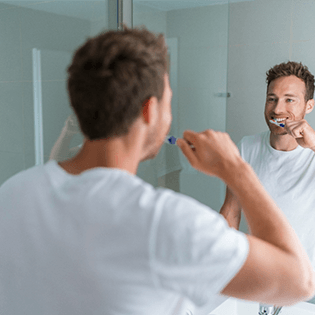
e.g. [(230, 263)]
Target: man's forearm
[(232, 218)]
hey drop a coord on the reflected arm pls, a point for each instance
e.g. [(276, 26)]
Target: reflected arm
[(231, 209), (60, 149)]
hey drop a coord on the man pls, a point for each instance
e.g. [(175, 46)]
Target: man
[(283, 157), (86, 236)]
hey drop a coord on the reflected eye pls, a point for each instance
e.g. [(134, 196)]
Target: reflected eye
[(289, 100), (271, 99)]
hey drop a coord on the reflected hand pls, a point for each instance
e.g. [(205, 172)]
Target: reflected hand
[(71, 125), (303, 133)]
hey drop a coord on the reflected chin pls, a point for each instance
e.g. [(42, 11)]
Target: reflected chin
[(279, 131)]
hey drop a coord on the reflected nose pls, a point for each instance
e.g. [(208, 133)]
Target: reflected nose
[(279, 107)]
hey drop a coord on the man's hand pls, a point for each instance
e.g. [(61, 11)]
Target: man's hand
[(303, 133), (71, 125), (215, 154)]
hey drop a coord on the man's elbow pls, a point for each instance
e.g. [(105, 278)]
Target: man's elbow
[(309, 287)]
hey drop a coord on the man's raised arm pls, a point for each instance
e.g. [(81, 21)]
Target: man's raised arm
[(231, 209)]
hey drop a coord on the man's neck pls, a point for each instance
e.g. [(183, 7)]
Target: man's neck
[(109, 154), (283, 142)]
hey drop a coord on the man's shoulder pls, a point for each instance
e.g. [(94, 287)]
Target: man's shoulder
[(22, 181), (254, 140)]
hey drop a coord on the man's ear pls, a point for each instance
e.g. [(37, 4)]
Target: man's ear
[(148, 107), (309, 106)]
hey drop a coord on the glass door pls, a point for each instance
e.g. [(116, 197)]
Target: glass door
[(38, 41)]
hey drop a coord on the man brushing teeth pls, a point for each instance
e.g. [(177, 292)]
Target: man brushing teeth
[(288, 101), (284, 157)]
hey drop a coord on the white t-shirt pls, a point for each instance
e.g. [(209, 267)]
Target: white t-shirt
[(289, 177), (106, 242)]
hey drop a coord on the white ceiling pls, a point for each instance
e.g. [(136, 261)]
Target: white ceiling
[(94, 10)]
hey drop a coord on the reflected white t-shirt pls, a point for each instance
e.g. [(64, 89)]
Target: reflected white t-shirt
[(106, 242), (289, 178)]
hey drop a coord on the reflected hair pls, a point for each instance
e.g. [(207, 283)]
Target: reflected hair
[(293, 68), (111, 78)]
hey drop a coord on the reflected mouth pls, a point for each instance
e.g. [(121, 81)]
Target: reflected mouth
[(280, 122), (281, 119)]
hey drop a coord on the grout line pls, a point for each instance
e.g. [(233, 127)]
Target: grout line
[(291, 31), (17, 7), (42, 2), (23, 95), (30, 81)]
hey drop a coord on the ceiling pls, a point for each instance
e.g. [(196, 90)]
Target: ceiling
[(94, 10)]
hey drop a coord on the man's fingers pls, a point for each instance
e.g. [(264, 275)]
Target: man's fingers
[(187, 151), (295, 130)]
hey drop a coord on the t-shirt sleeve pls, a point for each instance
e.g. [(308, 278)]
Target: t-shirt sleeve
[(193, 251)]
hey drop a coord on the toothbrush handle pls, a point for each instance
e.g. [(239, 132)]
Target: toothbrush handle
[(173, 140)]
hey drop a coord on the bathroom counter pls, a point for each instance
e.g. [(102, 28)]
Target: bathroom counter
[(241, 307)]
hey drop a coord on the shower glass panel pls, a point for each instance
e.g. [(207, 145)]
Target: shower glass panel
[(38, 40)]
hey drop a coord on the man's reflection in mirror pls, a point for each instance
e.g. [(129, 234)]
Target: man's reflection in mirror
[(283, 157)]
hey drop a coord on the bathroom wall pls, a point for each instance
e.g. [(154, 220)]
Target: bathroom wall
[(202, 73), (202, 35), (264, 33), (101, 21)]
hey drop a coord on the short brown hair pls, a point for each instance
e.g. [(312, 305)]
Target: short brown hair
[(112, 75), (293, 68)]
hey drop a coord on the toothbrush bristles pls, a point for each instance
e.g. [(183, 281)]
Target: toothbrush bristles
[(275, 122)]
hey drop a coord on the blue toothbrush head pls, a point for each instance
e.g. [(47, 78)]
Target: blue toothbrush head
[(172, 140)]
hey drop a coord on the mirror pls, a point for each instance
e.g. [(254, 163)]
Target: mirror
[(224, 49), (219, 52)]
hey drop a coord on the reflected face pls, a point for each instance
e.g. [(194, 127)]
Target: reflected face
[(285, 99), (159, 132)]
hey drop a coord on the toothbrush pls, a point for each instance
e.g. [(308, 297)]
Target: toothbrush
[(275, 122), (172, 140)]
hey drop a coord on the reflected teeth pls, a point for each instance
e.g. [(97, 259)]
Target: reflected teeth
[(277, 123), (280, 119)]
